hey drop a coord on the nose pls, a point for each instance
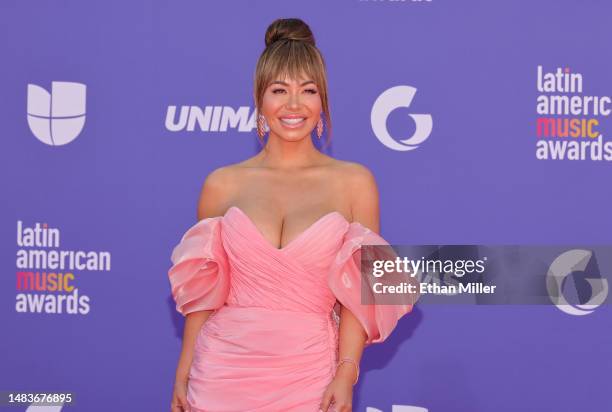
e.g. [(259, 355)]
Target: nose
[(294, 101)]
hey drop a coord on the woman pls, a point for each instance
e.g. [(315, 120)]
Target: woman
[(275, 248)]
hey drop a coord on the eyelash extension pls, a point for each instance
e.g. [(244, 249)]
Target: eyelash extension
[(312, 91)]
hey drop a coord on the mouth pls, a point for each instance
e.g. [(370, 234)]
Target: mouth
[(292, 122)]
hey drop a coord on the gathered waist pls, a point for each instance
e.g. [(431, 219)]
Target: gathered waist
[(271, 331), (257, 311)]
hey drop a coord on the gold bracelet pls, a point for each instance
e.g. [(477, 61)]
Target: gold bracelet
[(354, 363)]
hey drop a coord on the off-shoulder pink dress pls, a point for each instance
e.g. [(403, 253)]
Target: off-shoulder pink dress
[(272, 342)]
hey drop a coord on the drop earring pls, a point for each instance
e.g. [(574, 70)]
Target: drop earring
[(261, 125), (320, 128)]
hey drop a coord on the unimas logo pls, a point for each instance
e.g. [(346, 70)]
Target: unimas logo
[(210, 118), (58, 117), (391, 99), (591, 289)]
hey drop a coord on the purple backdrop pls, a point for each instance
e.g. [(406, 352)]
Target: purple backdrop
[(125, 185)]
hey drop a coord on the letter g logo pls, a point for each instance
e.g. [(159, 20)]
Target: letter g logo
[(575, 260), (389, 100)]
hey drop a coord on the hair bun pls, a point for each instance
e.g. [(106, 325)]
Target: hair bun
[(289, 29)]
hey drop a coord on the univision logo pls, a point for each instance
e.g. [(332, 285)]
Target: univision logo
[(58, 117), (388, 101)]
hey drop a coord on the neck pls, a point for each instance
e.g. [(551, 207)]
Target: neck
[(281, 154)]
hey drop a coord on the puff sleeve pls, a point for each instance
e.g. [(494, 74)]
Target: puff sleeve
[(199, 276), (345, 281)]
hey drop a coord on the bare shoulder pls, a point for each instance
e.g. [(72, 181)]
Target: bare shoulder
[(217, 189), (357, 177), (362, 190)]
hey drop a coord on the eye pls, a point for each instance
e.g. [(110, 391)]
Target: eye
[(311, 91), (274, 91)]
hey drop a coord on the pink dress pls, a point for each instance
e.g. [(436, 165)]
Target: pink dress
[(271, 344)]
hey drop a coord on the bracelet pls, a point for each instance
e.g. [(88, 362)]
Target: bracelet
[(354, 363)]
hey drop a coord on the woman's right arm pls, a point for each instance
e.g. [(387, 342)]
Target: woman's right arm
[(212, 198), (213, 195), (193, 324)]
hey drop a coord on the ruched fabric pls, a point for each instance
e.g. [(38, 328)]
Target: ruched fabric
[(200, 273), (271, 343), (345, 280)]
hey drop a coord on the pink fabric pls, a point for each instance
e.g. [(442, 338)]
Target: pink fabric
[(271, 344)]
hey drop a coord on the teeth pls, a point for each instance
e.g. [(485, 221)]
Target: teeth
[(292, 121)]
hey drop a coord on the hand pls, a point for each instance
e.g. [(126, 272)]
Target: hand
[(179, 397), (340, 390)]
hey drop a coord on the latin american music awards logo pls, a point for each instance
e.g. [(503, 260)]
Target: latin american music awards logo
[(568, 123), (56, 118), (394, 98), (52, 278)]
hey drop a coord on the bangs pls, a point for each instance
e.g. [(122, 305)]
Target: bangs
[(292, 60)]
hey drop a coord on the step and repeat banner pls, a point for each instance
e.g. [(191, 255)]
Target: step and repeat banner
[(484, 122)]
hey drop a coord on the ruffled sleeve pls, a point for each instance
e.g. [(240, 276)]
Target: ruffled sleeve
[(377, 314), (199, 276)]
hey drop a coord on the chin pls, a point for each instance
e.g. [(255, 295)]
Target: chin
[(293, 135)]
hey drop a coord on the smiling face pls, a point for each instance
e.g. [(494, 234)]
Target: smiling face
[(292, 107)]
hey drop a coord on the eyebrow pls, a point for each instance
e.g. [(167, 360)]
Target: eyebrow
[(287, 84)]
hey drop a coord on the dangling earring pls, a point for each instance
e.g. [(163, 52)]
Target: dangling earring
[(320, 128), (261, 125)]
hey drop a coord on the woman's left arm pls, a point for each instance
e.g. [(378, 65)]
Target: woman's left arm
[(351, 335)]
